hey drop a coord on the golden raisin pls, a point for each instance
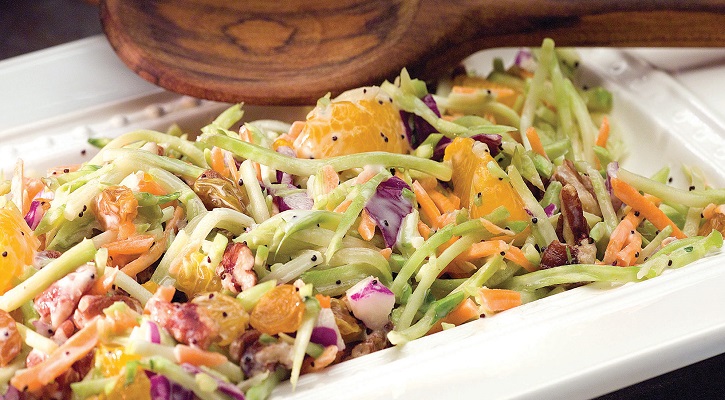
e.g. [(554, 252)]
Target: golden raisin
[(279, 310)]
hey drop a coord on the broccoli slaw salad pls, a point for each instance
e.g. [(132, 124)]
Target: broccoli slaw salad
[(218, 264)]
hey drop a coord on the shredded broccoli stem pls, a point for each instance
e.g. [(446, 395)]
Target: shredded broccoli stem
[(536, 86), (36, 340), (257, 202), (305, 167), (133, 288), (185, 147), (543, 225), (149, 160), (175, 373), (292, 269), (479, 278), (429, 272), (672, 195), (302, 339), (609, 216), (437, 310)]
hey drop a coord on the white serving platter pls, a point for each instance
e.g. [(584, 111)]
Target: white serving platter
[(575, 345)]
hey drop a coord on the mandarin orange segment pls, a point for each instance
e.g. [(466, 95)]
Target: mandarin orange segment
[(472, 178), (18, 245), (358, 121), (111, 359), (10, 340)]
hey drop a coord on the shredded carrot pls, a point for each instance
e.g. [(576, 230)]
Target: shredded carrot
[(331, 179), (157, 249), (651, 212), (445, 219), (427, 207), (628, 255), (444, 204), (386, 252), (483, 249), (493, 228), (367, 225), (244, 134), (428, 182), (516, 255), (165, 293), (198, 357), (59, 361), (342, 207), (464, 312), (327, 357), (366, 174), (424, 230), (217, 161), (709, 211), (535, 142), (495, 300), (103, 285), (617, 240), (133, 245), (149, 185), (324, 300), (295, 129), (603, 135)]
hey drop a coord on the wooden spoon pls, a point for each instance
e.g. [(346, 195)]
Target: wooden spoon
[(295, 51)]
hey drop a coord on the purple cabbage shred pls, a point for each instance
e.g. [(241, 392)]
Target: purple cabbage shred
[(388, 207), (227, 388), (164, 389)]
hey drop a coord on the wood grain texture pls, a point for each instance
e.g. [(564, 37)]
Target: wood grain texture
[(295, 51)]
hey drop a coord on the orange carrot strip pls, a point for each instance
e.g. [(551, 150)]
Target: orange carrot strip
[(367, 225), (499, 299), (126, 230), (103, 285), (133, 245), (165, 293), (445, 219), (652, 213), (342, 207), (444, 204), (283, 141), (327, 357), (617, 240), (149, 185), (330, 179), (59, 361), (157, 250), (386, 252), (324, 300), (516, 255), (603, 135), (464, 312), (709, 210), (628, 255), (217, 161), (483, 249), (198, 357), (244, 134), (424, 230), (427, 207), (493, 228), (535, 142), (366, 174)]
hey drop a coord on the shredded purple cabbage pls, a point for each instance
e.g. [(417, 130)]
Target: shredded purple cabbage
[(374, 287), (388, 207), (10, 394), (612, 169), (292, 201), (550, 209), (417, 128), (283, 177), (34, 215), (227, 388), (154, 334), (523, 57), (164, 389), (324, 336), (493, 142)]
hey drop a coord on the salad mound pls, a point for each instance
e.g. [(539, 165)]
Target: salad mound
[(220, 264)]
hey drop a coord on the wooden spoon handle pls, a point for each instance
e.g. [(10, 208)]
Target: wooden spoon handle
[(295, 51)]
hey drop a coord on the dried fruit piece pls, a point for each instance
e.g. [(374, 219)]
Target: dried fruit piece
[(279, 310)]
